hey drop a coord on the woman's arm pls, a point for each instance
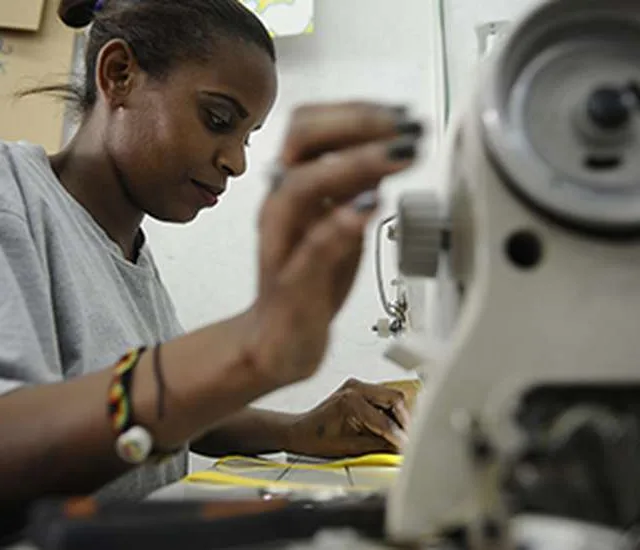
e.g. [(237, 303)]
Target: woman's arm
[(56, 439), (250, 431)]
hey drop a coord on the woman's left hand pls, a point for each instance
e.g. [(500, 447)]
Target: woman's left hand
[(357, 419)]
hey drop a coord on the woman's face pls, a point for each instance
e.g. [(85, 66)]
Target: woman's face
[(177, 141)]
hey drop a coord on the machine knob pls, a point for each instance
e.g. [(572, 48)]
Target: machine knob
[(608, 108), (420, 233)]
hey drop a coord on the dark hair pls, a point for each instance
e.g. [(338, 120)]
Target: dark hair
[(161, 33)]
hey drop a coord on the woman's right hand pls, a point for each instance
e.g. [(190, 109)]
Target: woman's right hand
[(312, 226)]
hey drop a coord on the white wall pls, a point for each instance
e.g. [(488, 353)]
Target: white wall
[(384, 52)]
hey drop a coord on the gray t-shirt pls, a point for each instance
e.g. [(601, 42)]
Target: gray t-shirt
[(70, 303)]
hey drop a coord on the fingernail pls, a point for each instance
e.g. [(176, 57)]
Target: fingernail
[(413, 128), (403, 148), (403, 413), (400, 111), (365, 202), (401, 435)]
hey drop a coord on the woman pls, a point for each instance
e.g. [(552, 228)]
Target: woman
[(173, 90)]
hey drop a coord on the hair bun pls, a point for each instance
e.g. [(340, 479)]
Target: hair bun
[(76, 13)]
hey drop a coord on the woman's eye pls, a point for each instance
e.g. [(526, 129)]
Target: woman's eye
[(217, 122)]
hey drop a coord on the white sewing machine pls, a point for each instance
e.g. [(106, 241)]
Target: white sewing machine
[(528, 431)]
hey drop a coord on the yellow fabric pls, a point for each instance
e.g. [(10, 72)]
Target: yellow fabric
[(236, 480), (227, 474), (259, 464)]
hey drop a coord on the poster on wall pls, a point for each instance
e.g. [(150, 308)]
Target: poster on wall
[(284, 17)]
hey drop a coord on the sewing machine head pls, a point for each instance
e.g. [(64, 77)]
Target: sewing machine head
[(534, 408)]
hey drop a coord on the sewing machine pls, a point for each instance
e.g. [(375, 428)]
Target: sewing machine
[(528, 431)]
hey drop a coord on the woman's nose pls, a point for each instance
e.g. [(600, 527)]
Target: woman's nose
[(233, 160)]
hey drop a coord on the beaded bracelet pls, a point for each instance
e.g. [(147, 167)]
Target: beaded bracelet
[(134, 443)]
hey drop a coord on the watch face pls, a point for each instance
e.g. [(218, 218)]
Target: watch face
[(560, 113)]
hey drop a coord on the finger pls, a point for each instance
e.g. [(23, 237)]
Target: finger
[(322, 267), (389, 399), (316, 129), (278, 241), (345, 276), (344, 174), (401, 413), (376, 421), (287, 214)]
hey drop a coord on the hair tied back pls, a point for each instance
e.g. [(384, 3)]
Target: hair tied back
[(79, 13)]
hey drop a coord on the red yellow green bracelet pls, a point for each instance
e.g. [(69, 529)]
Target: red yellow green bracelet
[(134, 443)]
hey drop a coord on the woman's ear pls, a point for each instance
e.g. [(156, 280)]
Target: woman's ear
[(116, 71)]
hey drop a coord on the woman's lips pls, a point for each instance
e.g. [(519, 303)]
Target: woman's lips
[(208, 193)]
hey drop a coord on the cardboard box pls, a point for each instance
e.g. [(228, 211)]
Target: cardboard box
[(28, 60), (23, 15)]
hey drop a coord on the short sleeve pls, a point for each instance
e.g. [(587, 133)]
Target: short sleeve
[(28, 350)]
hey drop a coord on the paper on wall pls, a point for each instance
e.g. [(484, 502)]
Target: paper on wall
[(284, 17)]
